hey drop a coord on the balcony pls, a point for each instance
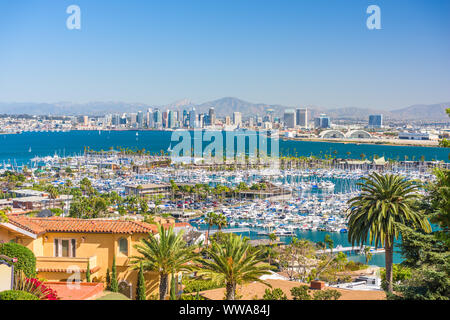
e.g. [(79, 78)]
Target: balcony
[(59, 264)]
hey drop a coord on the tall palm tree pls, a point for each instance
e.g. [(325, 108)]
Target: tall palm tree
[(210, 220), (384, 201), (232, 262), (165, 253), (329, 243)]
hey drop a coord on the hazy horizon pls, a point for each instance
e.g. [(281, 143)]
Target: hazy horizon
[(206, 102), (292, 53)]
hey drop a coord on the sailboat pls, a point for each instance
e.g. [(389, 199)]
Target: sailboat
[(29, 149)]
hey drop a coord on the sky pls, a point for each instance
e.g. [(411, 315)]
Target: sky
[(294, 53)]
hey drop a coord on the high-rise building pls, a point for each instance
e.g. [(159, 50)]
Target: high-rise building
[(123, 119), (302, 117), (192, 118), (212, 116), (237, 118), (322, 122), (171, 119), (227, 120), (140, 119), (85, 120), (115, 120), (157, 116), (375, 121), (270, 115), (165, 119), (149, 118), (132, 119), (185, 118), (289, 118)]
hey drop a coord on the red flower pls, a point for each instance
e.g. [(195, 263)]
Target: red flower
[(45, 292)]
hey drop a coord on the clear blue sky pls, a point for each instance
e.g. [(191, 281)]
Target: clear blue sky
[(312, 52)]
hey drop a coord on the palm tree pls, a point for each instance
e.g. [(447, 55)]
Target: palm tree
[(220, 221), (329, 243), (233, 262), (385, 201), (210, 220), (164, 253), (367, 254)]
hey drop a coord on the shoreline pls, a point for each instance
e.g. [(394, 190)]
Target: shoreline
[(380, 142)]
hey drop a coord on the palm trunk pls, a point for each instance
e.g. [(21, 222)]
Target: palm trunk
[(231, 291), (389, 253), (207, 235), (163, 285)]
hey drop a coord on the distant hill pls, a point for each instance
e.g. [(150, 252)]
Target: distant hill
[(423, 111), (225, 106)]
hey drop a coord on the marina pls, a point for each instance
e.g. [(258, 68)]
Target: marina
[(313, 201)]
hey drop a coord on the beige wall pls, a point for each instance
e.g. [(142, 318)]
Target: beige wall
[(103, 246)]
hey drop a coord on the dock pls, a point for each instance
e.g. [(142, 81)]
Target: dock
[(358, 250), (230, 230)]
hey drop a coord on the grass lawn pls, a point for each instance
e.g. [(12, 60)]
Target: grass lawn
[(108, 295)]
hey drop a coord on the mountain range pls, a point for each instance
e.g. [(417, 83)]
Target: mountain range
[(225, 106)]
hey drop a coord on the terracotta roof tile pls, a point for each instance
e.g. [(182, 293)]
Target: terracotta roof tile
[(58, 224)]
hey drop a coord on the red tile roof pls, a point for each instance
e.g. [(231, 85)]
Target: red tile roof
[(67, 270), (58, 224)]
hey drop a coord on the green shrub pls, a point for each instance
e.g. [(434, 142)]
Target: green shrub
[(196, 285), (275, 294), (329, 294), (26, 260), (399, 273), (192, 297), (354, 266), (300, 293), (17, 295)]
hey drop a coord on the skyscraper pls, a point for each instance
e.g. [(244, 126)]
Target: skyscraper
[(149, 118), (157, 118), (132, 119), (375, 121), (115, 120), (165, 119), (237, 118), (140, 119), (289, 118), (212, 116), (171, 119), (192, 118), (302, 117), (322, 122)]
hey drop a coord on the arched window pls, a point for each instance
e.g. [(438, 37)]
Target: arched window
[(123, 246)]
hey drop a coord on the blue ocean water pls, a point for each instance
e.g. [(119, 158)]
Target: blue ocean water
[(18, 149), (22, 147), (316, 236)]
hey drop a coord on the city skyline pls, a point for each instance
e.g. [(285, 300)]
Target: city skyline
[(289, 53)]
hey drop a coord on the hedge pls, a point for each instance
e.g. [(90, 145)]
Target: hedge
[(192, 285), (26, 260), (17, 295)]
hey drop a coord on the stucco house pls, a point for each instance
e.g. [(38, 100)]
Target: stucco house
[(64, 245)]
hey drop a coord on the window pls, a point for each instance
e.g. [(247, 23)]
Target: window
[(65, 248), (123, 246)]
